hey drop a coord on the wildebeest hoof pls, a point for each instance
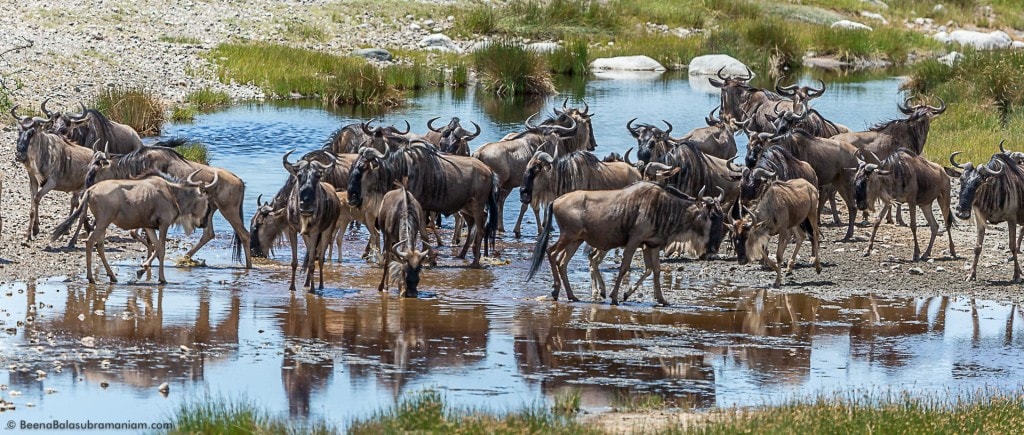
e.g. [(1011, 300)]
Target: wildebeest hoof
[(776, 284), (573, 299), (663, 303), (517, 234), (866, 253), (554, 295), (615, 302), (113, 280), (162, 281)]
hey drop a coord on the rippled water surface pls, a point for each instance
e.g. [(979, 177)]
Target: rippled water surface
[(480, 336)]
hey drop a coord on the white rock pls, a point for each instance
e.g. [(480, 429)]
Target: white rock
[(164, 388), (850, 25), (479, 45), (942, 37), (980, 40), (414, 26), (915, 271), (938, 8), (439, 40), (952, 58), (627, 63), (874, 16), (428, 23), (708, 65), (1017, 45), (543, 47), (88, 341)]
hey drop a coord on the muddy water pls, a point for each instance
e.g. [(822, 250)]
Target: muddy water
[(483, 337)]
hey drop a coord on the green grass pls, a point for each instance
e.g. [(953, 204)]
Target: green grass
[(208, 100), (567, 402), (302, 31), (183, 113), (137, 107), (506, 68), (229, 417), (427, 412), (195, 152), (986, 103), (184, 40), (571, 59)]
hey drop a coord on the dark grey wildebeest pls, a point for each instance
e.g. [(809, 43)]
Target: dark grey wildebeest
[(312, 212), (227, 196), (782, 163), (401, 220), (152, 203), (643, 216), (994, 192), (92, 129), (784, 209), (350, 138)]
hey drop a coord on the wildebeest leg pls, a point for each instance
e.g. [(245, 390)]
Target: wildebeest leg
[(780, 249), (627, 261), (232, 213), (147, 264), (845, 191), (596, 280), (947, 218), (981, 224), (800, 237), (815, 241), (207, 236), (158, 247), (293, 240), (50, 184), (832, 202), (654, 265), (465, 246), (874, 230), (460, 222), (1012, 226), (772, 264), (563, 268), (384, 274), (90, 243), (638, 283), (899, 214), (502, 195), (913, 233), (325, 240), (103, 256), (519, 221), (554, 252), (933, 224)]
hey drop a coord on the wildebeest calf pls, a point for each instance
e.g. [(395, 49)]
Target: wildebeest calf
[(401, 221)]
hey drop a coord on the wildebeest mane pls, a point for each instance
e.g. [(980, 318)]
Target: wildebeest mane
[(918, 130), (693, 174)]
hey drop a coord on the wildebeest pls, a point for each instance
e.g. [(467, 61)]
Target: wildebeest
[(644, 215), (93, 130), (801, 95), (702, 172), (782, 163), (579, 120), (547, 178), (652, 142), (52, 164), (268, 223), (829, 158), (760, 108), (784, 207), (445, 184), (227, 196), (885, 138), (350, 138), (401, 221), (718, 139), (908, 178), (450, 139), (152, 203), (508, 159), (312, 211), (994, 193)]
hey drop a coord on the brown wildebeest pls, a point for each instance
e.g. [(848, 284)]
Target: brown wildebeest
[(312, 212), (350, 138), (785, 207), (93, 129), (508, 159), (780, 161), (152, 203), (884, 139), (450, 139), (908, 178), (742, 102), (701, 172), (644, 215), (52, 163), (993, 192), (718, 139), (227, 196), (444, 184), (401, 220), (577, 119)]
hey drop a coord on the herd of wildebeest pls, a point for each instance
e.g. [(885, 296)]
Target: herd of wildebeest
[(682, 195)]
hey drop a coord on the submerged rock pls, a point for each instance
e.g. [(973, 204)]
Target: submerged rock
[(627, 63), (378, 54), (709, 64)]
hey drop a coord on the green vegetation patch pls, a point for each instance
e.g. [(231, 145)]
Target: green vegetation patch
[(208, 100), (139, 108), (195, 152), (230, 417), (507, 68)]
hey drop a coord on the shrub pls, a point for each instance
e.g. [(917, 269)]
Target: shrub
[(207, 100), (195, 152), (507, 68), (136, 107)]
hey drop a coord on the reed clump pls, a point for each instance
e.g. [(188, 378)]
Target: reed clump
[(507, 68), (139, 108)]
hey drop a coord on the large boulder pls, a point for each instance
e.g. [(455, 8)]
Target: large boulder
[(543, 47), (850, 25), (951, 59), (978, 40), (378, 54), (708, 65), (627, 63), (439, 42)]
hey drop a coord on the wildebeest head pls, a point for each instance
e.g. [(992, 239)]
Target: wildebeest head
[(801, 95), (733, 93), (974, 179), (199, 205), (540, 162), (651, 141), (261, 242), (455, 139), (28, 129), (307, 180), (366, 166), (657, 172), (573, 116), (411, 262), (758, 143), (865, 181), (712, 208), (382, 138)]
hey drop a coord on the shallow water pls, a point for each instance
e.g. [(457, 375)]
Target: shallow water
[(480, 336)]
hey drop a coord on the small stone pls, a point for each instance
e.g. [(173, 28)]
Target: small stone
[(915, 271), (184, 348), (88, 342), (940, 269), (164, 388)]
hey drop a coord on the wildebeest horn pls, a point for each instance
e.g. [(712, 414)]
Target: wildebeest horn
[(815, 93), (475, 134), (700, 194), (370, 153), (629, 126), (762, 173), (567, 130), (366, 126), (527, 122), (721, 194), (776, 108), (626, 157), (731, 166), (106, 147), (750, 74), (565, 104), (189, 180), (586, 109), (787, 91), (430, 124), (287, 165), (719, 73), (669, 127), (952, 160), (259, 200), (216, 178), (877, 159), (394, 248), (43, 108), (710, 119), (14, 109), (939, 110), (905, 106), (984, 169), (1001, 149), (870, 167), (545, 157)]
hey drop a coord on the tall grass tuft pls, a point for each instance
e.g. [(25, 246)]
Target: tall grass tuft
[(139, 108), (507, 68), (567, 402), (183, 113), (570, 59), (222, 416), (207, 100), (195, 151)]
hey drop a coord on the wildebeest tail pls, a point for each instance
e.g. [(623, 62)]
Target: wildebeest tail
[(65, 226), (236, 242), (542, 244), (173, 142), (491, 229), (808, 228)]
